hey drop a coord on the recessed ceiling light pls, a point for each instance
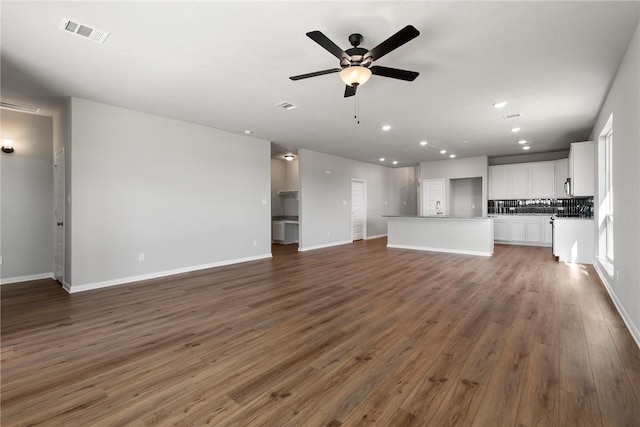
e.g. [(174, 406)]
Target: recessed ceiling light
[(382, 159), (522, 141), (289, 157), (526, 147), (386, 128), (443, 151), (248, 132), (465, 142), (395, 162), (515, 130), (500, 104), (452, 156), (423, 142)]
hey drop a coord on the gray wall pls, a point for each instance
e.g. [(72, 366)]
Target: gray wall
[(472, 167), (526, 158), (466, 196), (623, 101), (186, 196), (27, 223), (325, 198)]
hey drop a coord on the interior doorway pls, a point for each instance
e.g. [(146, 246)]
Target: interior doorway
[(59, 214), (358, 209)]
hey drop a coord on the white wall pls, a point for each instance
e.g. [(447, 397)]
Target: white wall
[(186, 196), (472, 167), (278, 173), (623, 101), (325, 198), (27, 222)]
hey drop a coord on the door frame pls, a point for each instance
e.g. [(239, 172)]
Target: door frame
[(61, 278), (364, 207), (444, 195)]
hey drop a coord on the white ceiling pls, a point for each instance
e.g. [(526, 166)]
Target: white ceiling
[(226, 65)]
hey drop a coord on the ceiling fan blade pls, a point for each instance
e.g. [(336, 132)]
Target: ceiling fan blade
[(324, 41), (350, 91), (394, 73), (316, 73), (406, 34)]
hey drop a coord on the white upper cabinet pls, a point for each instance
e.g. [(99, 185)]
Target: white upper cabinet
[(581, 169), (542, 180), (519, 181), (499, 182), (522, 181), (562, 173)]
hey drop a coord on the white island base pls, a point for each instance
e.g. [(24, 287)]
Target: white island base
[(459, 235)]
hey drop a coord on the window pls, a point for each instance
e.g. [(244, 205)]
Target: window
[(608, 196)]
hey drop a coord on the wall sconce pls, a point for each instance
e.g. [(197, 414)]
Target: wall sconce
[(7, 145)]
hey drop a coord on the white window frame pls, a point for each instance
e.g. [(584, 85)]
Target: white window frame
[(608, 180)]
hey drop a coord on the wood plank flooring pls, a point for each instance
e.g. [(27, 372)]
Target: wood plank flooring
[(357, 335)]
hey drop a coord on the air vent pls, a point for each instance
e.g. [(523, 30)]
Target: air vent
[(512, 116), (17, 106), (84, 31), (286, 105)]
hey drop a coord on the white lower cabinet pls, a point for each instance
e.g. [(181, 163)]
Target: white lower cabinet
[(277, 231), (531, 230), (518, 230), (501, 229)]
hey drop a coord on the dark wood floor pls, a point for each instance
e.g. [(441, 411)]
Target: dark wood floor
[(354, 335)]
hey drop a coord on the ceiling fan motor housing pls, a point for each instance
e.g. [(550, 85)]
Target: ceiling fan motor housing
[(356, 57)]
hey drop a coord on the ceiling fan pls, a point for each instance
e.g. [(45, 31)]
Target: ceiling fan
[(355, 62)]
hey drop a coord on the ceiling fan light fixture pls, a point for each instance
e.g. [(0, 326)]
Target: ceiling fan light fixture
[(355, 75)]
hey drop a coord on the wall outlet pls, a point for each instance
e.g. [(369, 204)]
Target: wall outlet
[(255, 243), (264, 201), (344, 202), (0, 260), (141, 256), (328, 234), (386, 203)]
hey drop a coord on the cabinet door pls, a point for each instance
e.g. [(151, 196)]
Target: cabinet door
[(519, 181), (278, 231), (582, 169), (499, 182), (501, 230), (533, 231), (561, 170), (518, 231), (542, 180)]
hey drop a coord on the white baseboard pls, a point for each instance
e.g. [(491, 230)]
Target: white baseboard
[(28, 278), (449, 251), (625, 317), (377, 236), (66, 287), (506, 242), (125, 280), (326, 245)]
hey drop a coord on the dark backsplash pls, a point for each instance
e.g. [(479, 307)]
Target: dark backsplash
[(577, 207)]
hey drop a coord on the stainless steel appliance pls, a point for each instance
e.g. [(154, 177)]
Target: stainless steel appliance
[(552, 221), (567, 187)]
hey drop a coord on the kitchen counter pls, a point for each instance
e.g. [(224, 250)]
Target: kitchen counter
[(436, 216), (441, 233)]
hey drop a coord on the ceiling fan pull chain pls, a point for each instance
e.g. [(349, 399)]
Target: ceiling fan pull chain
[(357, 107)]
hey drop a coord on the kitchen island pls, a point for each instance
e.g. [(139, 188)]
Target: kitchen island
[(441, 233)]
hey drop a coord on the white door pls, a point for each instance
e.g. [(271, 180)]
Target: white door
[(358, 209), (433, 202), (59, 216)]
